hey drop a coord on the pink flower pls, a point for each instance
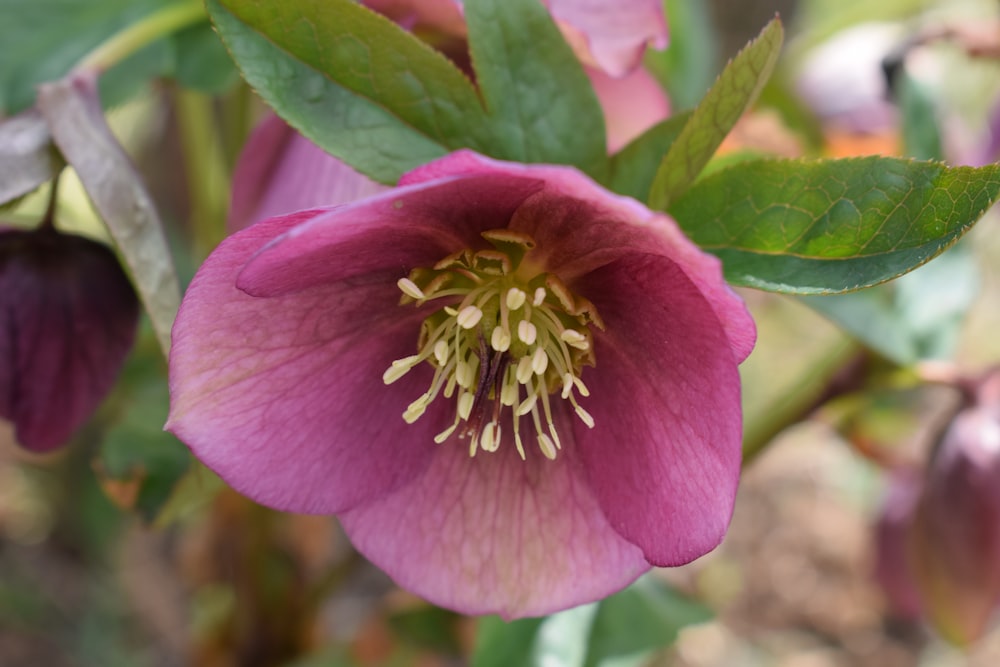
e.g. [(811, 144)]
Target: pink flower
[(517, 390), (68, 317)]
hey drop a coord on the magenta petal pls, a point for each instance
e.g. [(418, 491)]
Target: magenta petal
[(397, 231), (664, 455), (494, 534), (280, 171), (68, 317), (585, 226), (284, 397)]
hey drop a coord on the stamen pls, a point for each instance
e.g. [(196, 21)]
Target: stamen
[(527, 332), (469, 317), (516, 298), (409, 288), (482, 360)]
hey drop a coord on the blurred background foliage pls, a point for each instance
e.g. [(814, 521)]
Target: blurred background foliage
[(192, 574)]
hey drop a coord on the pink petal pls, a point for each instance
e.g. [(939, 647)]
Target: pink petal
[(494, 534), (664, 455), (439, 16), (585, 226), (632, 104), (280, 171), (68, 317), (405, 228), (615, 33), (284, 397)]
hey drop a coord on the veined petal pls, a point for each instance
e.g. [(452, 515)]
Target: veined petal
[(284, 397), (664, 458), (398, 230), (495, 534), (581, 227), (68, 317), (280, 171)]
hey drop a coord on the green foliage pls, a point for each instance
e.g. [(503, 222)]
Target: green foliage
[(619, 631), (688, 66), (540, 102), (735, 90), (634, 166), (44, 39), (916, 317), (827, 226)]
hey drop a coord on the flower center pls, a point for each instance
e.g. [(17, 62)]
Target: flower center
[(509, 337)]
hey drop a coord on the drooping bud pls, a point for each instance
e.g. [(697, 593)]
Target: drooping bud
[(955, 538), (893, 570), (68, 317)]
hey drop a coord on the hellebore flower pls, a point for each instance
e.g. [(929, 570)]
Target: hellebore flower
[(517, 390), (68, 317), (955, 535)]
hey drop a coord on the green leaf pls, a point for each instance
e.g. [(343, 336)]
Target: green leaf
[(74, 116), (619, 631), (733, 93), (687, 68), (355, 129), (540, 102), (202, 63), (644, 617), (919, 123), (375, 59), (919, 316), (634, 166), (827, 226), (42, 39)]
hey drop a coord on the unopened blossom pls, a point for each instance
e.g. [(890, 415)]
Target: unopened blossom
[(68, 317), (515, 389), (955, 536)]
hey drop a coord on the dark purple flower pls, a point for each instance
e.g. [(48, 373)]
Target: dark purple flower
[(517, 390), (68, 318)]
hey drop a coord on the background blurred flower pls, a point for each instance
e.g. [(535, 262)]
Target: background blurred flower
[(68, 317), (284, 334)]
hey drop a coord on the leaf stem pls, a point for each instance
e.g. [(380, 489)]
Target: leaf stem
[(140, 34)]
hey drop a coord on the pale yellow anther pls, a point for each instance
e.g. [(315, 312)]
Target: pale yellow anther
[(399, 368), (409, 288), (523, 372), (574, 338), (539, 296), (416, 409), (445, 434), (441, 352), (469, 317), (545, 444), (584, 416), (581, 387), (516, 298), (527, 332), (527, 406), (508, 395), (465, 374), (500, 340), (567, 384), (465, 402), (490, 439), (539, 361)]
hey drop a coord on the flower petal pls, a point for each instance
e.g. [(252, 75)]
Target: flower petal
[(68, 317), (632, 104), (583, 227), (280, 171), (615, 33), (399, 230), (495, 534), (284, 397), (664, 455)]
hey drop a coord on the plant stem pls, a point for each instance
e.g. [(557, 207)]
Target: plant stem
[(140, 34)]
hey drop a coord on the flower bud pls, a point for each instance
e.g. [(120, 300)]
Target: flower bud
[(955, 538), (68, 318)]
